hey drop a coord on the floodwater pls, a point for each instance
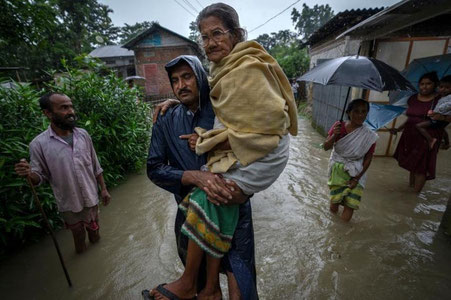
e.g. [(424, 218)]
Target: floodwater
[(391, 249)]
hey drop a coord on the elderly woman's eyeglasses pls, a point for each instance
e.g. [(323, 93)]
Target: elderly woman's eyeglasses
[(216, 35)]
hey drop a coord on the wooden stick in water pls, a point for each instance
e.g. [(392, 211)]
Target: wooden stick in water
[(38, 203)]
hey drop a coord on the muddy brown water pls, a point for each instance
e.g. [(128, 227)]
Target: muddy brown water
[(392, 248)]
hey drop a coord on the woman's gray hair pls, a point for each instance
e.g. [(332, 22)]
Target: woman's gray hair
[(227, 15)]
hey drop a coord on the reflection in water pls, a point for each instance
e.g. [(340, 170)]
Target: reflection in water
[(391, 249)]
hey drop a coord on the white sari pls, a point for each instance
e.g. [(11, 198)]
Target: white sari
[(351, 149)]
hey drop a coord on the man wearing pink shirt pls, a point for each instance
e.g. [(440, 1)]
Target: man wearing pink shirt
[(64, 156)]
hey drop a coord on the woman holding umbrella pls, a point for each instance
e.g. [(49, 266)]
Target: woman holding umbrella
[(413, 152), (353, 146)]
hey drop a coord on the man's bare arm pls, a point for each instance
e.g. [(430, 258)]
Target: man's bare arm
[(106, 198)]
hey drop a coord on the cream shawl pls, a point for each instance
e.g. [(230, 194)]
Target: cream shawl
[(252, 97)]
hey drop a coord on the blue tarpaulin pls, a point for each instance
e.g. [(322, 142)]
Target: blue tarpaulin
[(380, 115), (441, 64)]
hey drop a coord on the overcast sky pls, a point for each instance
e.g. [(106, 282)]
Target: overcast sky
[(252, 12)]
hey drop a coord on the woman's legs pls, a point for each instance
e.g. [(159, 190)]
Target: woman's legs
[(347, 213), (422, 129), (420, 180)]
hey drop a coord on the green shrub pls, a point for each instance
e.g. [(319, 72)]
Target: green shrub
[(106, 107), (21, 121)]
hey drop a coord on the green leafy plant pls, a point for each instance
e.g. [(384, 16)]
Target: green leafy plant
[(21, 121)]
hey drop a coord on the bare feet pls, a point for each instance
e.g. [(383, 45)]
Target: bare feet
[(180, 288), (206, 294), (432, 143)]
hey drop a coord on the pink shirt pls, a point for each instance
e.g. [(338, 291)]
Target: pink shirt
[(70, 171)]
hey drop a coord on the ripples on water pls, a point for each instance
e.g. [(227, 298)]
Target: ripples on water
[(392, 248)]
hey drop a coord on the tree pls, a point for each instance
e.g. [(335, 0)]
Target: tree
[(37, 34), (127, 32), (284, 47), (85, 21), (310, 19), (283, 37), (194, 33), (29, 35), (293, 60)]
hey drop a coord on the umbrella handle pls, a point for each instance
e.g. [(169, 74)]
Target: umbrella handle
[(349, 90), (346, 101)]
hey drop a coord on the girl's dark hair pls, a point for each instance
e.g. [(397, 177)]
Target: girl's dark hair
[(356, 102), (227, 15), (432, 76), (45, 102)]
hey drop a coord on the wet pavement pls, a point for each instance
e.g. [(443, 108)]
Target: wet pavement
[(391, 249)]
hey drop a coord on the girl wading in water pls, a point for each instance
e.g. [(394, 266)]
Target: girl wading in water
[(352, 145)]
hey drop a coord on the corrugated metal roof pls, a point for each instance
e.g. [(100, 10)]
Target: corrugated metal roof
[(111, 51), (341, 22), (398, 16)]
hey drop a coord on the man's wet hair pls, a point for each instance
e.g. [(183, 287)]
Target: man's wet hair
[(432, 76), (446, 79), (45, 102), (355, 103)]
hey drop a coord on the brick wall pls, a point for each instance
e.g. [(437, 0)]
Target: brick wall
[(150, 62)]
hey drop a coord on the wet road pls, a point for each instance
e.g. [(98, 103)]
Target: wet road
[(392, 248)]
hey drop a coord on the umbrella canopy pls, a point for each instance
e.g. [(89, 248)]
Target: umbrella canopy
[(441, 64), (380, 115), (358, 71)]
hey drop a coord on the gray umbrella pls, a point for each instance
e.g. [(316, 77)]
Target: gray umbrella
[(358, 71)]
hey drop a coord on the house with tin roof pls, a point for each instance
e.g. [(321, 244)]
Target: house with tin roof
[(396, 35), (153, 49), (121, 60)]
